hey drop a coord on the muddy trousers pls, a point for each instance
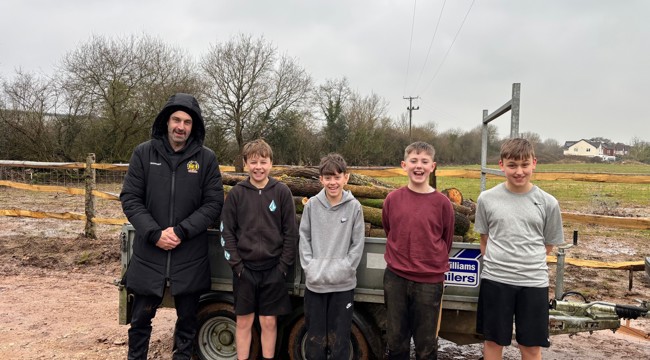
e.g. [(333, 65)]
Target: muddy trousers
[(412, 310), (144, 310), (328, 318)]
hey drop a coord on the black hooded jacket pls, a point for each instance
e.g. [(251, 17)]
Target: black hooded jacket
[(188, 197)]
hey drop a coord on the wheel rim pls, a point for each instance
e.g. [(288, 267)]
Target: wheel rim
[(217, 338), (304, 353)]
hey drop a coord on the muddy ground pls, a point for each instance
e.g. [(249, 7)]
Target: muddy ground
[(58, 301)]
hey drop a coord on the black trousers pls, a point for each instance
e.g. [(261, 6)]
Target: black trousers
[(412, 310), (328, 317), (144, 310)]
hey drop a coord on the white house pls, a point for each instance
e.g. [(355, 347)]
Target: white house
[(587, 148)]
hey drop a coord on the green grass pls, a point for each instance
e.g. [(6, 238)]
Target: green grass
[(599, 168), (573, 195)]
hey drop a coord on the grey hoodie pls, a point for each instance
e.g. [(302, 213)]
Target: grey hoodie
[(331, 243)]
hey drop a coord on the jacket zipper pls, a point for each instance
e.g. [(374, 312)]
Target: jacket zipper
[(171, 221)]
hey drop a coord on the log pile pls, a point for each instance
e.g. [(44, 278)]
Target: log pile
[(304, 183)]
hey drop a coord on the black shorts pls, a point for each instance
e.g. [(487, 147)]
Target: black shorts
[(498, 303), (262, 292)]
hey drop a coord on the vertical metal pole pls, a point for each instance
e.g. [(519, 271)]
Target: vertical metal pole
[(90, 198), (559, 274), (484, 146), (514, 111)]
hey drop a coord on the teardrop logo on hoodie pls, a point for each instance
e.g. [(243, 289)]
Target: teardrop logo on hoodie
[(272, 206)]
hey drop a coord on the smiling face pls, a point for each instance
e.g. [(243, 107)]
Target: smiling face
[(418, 166), (518, 173), (333, 185), (179, 128), (259, 168)]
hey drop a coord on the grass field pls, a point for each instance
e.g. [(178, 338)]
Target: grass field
[(586, 197)]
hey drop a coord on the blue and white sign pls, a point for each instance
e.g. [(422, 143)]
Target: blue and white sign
[(464, 268)]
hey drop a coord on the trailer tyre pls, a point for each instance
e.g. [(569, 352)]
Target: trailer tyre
[(358, 343), (215, 338)]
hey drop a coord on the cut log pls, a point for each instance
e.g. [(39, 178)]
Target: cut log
[(363, 180), (312, 173), (376, 232), (297, 171), (372, 215), (461, 225), (462, 209), (375, 203), (370, 192), (454, 195)]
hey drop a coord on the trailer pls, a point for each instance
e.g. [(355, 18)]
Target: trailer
[(215, 338)]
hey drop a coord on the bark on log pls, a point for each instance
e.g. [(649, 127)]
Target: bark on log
[(376, 232), (461, 225), (370, 192), (372, 215), (312, 173), (462, 209), (375, 203)]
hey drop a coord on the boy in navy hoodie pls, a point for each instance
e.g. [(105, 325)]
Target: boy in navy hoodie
[(259, 234), (331, 245)]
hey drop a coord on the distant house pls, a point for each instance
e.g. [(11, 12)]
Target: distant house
[(621, 149), (595, 148)]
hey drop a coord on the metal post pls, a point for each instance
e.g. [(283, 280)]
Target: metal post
[(514, 111), (90, 199), (559, 274), (484, 146)]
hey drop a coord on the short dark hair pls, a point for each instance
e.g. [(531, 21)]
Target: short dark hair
[(517, 149), (257, 147), (332, 164), (418, 147)]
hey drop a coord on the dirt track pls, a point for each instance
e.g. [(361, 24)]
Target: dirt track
[(58, 301)]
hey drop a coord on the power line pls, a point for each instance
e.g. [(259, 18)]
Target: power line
[(408, 61), (450, 46), (435, 31)]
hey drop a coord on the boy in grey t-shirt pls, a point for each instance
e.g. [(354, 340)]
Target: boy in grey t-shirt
[(519, 224)]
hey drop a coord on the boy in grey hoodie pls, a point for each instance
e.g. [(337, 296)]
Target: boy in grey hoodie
[(331, 246)]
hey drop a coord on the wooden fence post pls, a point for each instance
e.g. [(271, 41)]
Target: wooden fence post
[(90, 198)]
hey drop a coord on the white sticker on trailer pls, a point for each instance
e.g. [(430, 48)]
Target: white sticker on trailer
[(375, 261)]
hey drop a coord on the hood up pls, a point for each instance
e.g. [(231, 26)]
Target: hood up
[(183, 102)]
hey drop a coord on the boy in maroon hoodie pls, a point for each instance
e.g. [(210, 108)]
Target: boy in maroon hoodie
[(419, 225)]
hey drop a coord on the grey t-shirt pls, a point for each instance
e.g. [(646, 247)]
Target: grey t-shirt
[(518, 227)]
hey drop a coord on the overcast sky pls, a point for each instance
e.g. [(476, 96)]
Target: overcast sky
[(584, 66)]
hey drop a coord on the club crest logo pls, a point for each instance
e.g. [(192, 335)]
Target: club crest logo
[(193, 167)]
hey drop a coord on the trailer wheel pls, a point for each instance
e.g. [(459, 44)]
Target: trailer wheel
[(358, 344), (215, 338)]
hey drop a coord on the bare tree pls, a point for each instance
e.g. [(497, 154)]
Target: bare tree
[(27, 105), (250, 88), (119, 85)]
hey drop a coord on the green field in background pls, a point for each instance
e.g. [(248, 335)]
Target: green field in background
[(573, 195), (600, 168)]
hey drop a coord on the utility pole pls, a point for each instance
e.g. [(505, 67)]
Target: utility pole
[(410, 108)]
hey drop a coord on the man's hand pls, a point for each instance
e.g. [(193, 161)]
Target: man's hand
[(168, 239)]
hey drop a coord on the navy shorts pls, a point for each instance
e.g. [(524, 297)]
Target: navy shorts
[(262, 292), (498, 303)]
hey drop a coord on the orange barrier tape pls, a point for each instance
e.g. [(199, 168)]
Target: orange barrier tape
[(60, 216), (62, 189)]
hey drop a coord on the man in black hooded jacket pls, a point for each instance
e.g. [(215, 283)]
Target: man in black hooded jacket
[(171, 193)]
